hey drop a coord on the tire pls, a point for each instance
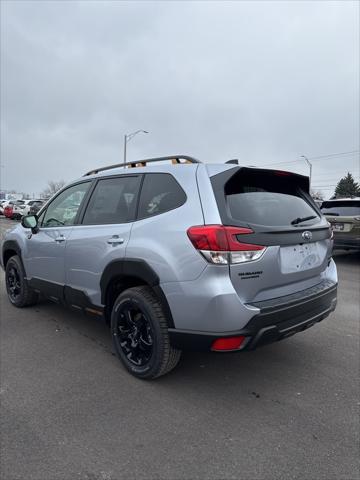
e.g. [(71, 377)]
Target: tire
[(139, 331), (18, 290)]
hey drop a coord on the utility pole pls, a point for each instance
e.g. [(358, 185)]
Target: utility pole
[(129, 137), (125, 142), (310, 167)]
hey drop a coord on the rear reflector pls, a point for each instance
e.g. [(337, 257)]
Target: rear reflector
[(227, 344), (219, 244)]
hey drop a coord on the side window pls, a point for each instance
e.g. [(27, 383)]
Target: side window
[(113, 201), (63, 209), (160, 193)]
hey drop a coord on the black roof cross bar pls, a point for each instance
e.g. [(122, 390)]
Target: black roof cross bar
[(176, 159)]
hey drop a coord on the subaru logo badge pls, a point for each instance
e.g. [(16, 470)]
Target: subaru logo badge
[(307, 235)]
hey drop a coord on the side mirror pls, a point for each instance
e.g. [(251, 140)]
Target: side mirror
[(30, 221)]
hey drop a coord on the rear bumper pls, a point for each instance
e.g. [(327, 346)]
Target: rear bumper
[(350, 242), (278, 318)]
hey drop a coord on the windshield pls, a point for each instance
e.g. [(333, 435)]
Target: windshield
[(341, 209)]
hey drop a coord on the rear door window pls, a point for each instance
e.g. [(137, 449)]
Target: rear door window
[(113, 201), (268, 199), (341, 208), (160, 193)]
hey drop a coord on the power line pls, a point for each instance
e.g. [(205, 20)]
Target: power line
[(320, 157), (325, 186), (326, 177), (340, 154)]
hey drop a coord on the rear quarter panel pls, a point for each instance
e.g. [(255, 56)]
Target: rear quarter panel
[(162, 240)]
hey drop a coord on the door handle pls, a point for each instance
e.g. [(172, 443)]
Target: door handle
[(60, 239), (115, 240)]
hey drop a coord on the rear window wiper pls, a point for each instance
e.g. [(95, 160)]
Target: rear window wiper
[(302, 219)]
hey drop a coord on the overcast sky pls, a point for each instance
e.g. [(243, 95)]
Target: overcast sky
[(262, 81)]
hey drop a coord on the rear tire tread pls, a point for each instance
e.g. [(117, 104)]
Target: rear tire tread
[(171, 355)]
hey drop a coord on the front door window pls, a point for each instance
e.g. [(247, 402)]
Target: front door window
[(64, 208)]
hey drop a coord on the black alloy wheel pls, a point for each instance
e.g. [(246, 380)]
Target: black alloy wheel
[(13, 283), (18, 290), (134, 335), (139, 329)]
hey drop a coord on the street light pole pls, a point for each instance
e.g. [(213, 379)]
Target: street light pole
[(125, 142), (310, 167), (129, 137)]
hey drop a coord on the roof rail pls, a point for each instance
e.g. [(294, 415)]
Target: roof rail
[(142, 163)]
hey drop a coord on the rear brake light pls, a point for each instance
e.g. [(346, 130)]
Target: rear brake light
[(219, 244), (228, 344)]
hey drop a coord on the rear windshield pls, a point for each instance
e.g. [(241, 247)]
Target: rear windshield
[(341, 209), (268, 199)]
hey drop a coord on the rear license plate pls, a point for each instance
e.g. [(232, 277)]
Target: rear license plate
[(338, 226), (297, 258)]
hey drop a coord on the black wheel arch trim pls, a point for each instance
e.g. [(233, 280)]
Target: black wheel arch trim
[(10, 245), (138, 268)]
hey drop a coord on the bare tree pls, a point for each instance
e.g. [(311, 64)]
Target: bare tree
[(52, 188), (317, 194)]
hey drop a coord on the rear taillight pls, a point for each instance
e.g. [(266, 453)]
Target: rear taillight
[(219, 244)]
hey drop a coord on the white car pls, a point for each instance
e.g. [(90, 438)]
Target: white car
[(2, 205), (18, 208), (25, 208)]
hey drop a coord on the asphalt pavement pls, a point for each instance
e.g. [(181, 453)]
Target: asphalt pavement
[(286, 411)]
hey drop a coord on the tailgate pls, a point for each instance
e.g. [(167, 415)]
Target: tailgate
[(282, 217)]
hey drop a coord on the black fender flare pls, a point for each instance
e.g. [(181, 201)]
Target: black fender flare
[(10, 245), (138, 268)]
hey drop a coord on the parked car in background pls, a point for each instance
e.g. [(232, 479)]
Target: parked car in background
[(2, 206), (29, 203), (344, 217), (8, 210), (18, 209), (35, 206), (13, 209)]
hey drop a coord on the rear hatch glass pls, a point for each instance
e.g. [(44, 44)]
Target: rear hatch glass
[(344, 215), (269, 199), (340, 208)]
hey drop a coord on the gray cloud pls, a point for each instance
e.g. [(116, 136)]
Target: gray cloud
[(260, 81)]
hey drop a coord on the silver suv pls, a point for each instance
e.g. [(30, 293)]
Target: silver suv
[(179, 256)]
